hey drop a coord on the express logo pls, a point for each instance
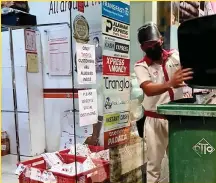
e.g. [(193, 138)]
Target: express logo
[(117, 29), (116, 84), (113, 66), (109, 25), (108, 103), (122, 48), (116, 46)]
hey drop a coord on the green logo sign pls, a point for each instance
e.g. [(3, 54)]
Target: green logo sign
[(203, 148)]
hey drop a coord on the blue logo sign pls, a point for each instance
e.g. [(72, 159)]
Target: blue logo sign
[(116, 10)]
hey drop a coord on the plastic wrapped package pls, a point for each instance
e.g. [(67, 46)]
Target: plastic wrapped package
[(136, 109)]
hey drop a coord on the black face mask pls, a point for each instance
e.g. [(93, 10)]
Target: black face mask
[(155, 53)]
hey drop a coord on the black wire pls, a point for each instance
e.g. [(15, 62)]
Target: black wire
[(72, 73)]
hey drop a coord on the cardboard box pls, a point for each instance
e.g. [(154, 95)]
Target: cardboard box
[(5, 144)]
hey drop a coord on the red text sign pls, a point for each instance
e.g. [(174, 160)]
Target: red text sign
[(116, 66), (116, 137)]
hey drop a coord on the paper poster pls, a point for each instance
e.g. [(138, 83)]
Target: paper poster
[(88, 113), (86, 65), (59, 55), (30, 40), (32, 62), (67, 130)]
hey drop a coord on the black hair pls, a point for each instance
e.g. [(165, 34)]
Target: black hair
[(96, 39)]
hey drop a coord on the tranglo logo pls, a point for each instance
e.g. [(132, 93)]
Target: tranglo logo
[(116, 83), (203, 148), (116, 46)]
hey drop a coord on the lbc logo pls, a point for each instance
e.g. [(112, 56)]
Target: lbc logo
[(108, 25)]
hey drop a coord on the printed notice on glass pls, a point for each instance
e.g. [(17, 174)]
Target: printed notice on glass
[(86, 66), (30, 40), (59, 56), (88, 113), (32, 62)]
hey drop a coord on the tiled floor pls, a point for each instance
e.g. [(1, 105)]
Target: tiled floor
[(9, 167)]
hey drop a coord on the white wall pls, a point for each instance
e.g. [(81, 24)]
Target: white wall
[(29, 89)]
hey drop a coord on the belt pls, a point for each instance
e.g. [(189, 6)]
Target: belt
[(153, 115)]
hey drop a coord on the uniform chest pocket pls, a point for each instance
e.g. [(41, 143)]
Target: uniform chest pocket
[(157, 76)]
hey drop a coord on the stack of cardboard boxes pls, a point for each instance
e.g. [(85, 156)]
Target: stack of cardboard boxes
[(5, 144)]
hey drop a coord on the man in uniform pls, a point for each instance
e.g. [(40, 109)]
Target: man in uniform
[(161, 77)]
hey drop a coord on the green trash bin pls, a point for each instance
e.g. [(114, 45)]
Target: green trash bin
[(192, 127), (192, 142)]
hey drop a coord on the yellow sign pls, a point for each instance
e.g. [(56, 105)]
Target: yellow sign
[(32, 62), (111, 119)]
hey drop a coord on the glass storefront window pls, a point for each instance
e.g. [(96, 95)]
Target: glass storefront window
[(89, 99)]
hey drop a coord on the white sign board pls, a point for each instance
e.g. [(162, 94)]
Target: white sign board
[(59, 55), (116, 103), (116, 47), (116, 84), (86, 65), (114, 28), (88, 107)]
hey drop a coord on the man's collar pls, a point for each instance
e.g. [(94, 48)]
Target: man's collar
[(165, 53)]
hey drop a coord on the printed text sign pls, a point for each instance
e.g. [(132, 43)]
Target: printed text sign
[(116, 103), (116, 137), (116, 66), (116, 10), (114, 28), (115, 47), (30, 40), (86, 69), (116, 84), (88, 107), (115, 121)]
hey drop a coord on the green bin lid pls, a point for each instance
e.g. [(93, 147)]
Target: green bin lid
[(197, 50), (187, 110)]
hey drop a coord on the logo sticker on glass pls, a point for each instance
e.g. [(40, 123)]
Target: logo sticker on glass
[(203, 148)]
